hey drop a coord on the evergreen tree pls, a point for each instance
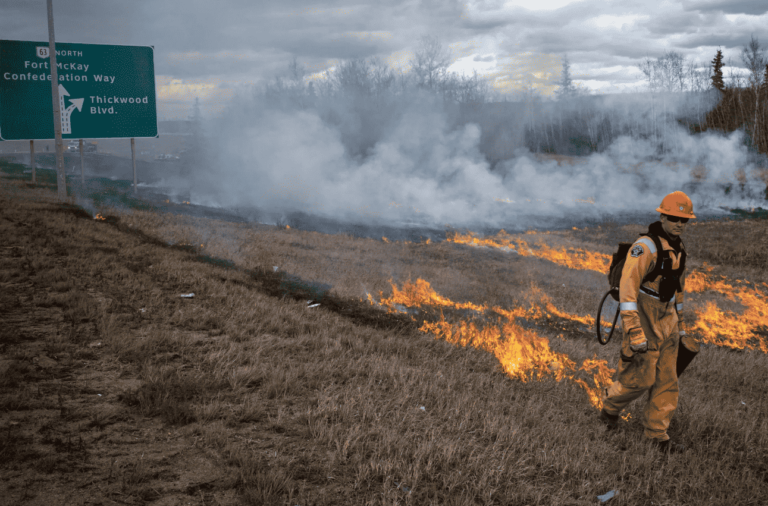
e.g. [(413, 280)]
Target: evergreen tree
[(567, 89), (717, 75)]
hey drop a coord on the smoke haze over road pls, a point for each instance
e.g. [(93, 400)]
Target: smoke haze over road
[(418, 164)]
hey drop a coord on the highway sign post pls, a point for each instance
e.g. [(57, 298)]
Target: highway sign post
[(105, 91), (61, 177)]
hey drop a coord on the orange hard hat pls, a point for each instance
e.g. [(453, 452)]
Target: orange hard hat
[(677, 204)]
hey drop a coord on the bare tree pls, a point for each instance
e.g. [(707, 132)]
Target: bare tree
[(698, 75), (666, 73), (351, 78), (735, 79), (465, 89), (431, 61), (362, 78), (764, 86), (381, 75), (647, 68), (753, 57)]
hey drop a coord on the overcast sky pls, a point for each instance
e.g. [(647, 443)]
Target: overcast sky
[(207, 48)]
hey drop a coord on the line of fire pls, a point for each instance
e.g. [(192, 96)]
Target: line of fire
[(526, 355)]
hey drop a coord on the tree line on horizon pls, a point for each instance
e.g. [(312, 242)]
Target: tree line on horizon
[(364, 99), (743, 103)]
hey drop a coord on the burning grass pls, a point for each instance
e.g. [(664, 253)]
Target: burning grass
[(713, 324), (573, 258), (522, 353), (243, 394)]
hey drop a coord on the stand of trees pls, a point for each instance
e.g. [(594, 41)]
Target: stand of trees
[(743, 104), (363, 99), (577, 123), (680, 92)]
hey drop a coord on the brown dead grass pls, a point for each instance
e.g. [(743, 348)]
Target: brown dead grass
[(113, 388)]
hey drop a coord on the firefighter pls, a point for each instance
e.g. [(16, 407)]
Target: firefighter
[(651, 298)]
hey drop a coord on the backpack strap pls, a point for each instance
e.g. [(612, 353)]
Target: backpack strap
[(663, 255), (654, 244), (679, 272)]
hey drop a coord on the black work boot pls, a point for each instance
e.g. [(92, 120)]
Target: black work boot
[(610, 421), (669, 447)]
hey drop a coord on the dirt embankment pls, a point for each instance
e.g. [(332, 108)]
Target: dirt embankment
[(104, 398)]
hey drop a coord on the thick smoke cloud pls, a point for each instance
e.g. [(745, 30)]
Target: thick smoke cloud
[(415, 161)]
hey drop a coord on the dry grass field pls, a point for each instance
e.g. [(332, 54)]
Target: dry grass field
[(115, 389)]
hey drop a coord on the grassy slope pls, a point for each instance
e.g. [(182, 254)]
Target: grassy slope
[(244, 395)]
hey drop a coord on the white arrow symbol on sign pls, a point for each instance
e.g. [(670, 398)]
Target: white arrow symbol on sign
[(76, 102), (66, 124)]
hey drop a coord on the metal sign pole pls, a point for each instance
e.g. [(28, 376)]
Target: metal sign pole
[(32, 158), (133, 158), (82, 171), (61, 178)]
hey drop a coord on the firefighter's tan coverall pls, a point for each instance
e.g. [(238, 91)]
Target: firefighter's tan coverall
[(655, 370)]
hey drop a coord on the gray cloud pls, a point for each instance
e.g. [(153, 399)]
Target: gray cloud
[(246, 41), (752, 7)]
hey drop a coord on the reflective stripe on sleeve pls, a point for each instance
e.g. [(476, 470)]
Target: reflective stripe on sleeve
[(679, 307), (628, 306), (648, 242)]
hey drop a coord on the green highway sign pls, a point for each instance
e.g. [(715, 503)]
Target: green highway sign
[(105, 92)]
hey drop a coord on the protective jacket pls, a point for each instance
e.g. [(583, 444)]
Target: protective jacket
[(650, 308), (640, 262)]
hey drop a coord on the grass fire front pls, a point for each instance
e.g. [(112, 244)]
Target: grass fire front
[(114, 389)]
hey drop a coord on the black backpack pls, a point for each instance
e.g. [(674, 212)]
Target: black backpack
[(670, 280)]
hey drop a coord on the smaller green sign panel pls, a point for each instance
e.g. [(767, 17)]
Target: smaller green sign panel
[(105, 92)]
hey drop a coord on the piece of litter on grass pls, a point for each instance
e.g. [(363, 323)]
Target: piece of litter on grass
[(274, 268), (314, 305), (607, 497), (423, 408), (744, 403), (99, 395), (143, 310), (187, 295)]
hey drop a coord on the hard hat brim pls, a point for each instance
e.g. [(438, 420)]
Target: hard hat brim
[(679, 214)]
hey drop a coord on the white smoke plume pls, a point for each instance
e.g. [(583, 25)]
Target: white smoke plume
[(412, 162)]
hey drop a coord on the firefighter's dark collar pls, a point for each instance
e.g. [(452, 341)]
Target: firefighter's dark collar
[(657, 229)]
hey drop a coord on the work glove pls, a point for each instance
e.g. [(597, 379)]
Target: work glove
[(637, 341)]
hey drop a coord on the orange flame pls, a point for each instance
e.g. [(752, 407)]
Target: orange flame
[(573, 258), (727, 328), (522, 353), (420, 294), (99, 217), (601, 376), (713, 325)]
